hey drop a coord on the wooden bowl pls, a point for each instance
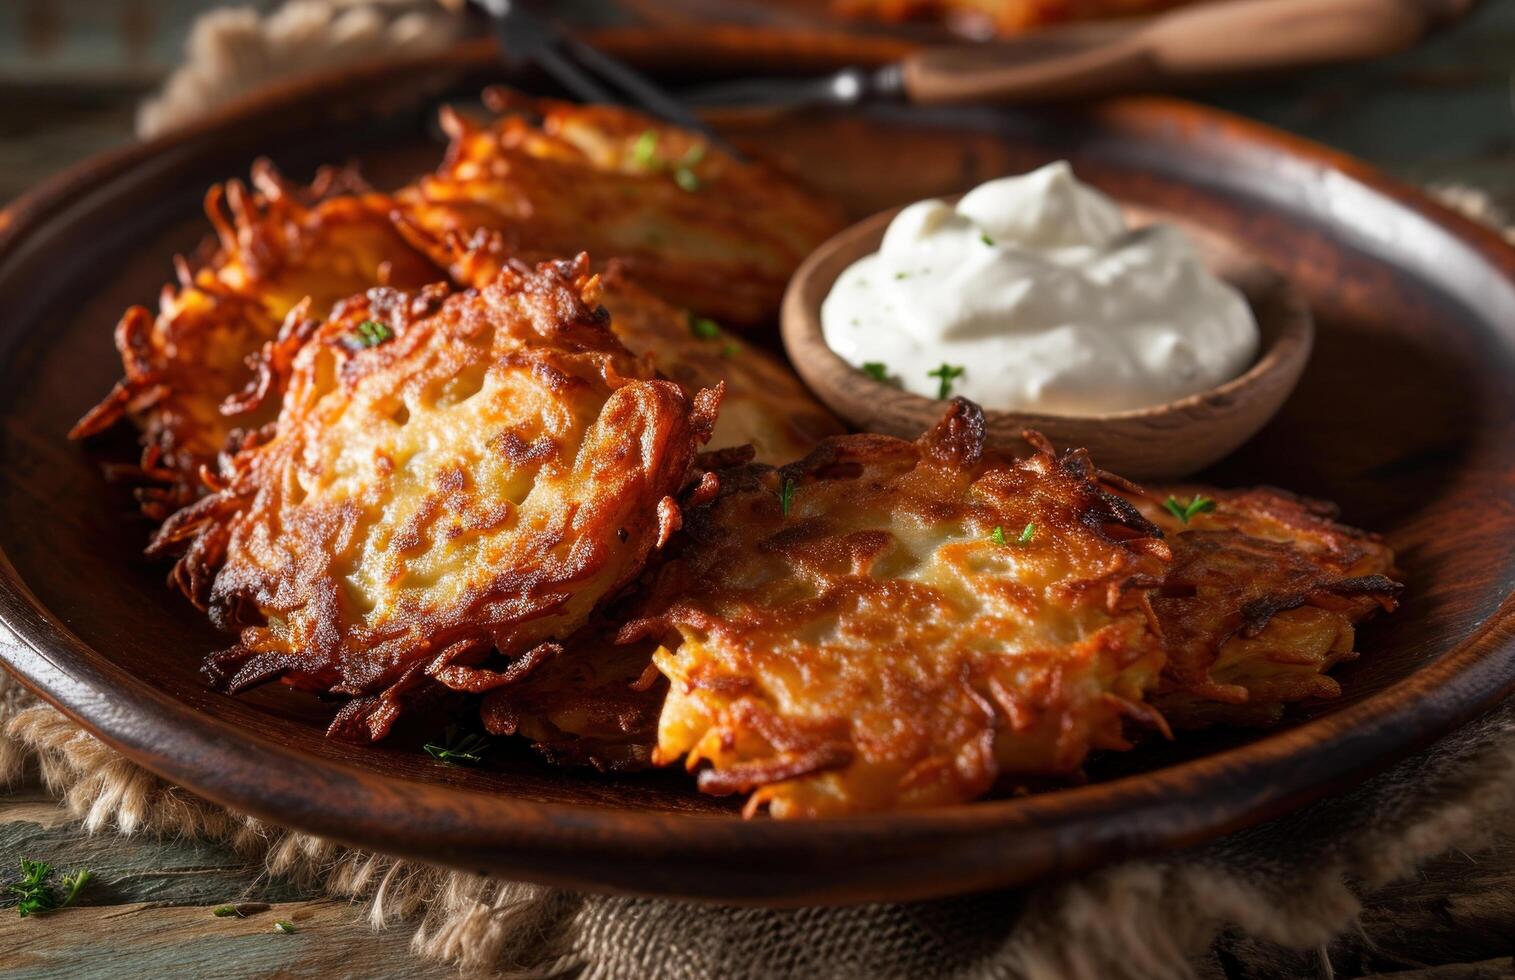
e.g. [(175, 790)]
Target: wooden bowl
[(1162, 442), (1405, 416)]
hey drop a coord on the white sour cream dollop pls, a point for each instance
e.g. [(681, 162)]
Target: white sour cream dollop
[(1036, 289)]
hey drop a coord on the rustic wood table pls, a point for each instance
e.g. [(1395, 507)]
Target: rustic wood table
[(1439, 115)]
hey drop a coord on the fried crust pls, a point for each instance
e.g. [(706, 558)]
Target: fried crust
[(284, 257), (876, 647), (441, 506), (691, 223), (595, 705), (1261, 600), (764, 404)]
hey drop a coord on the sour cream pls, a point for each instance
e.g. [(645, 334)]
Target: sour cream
[(1032, 294)]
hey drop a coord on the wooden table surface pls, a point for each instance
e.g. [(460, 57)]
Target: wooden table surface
[(1441, 114)]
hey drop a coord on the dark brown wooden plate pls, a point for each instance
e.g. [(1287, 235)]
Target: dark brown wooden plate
[(1406, 416)]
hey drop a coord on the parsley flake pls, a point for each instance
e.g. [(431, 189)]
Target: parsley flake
[(226, 911), (704, 327), (731, 350), (786, 497), (687, 179), (1199, 505), (372, 333), (465, 750), (693, 155), (1027, 533), (37, 897), (645, 150), (876, 370), (902, 274), (984, 237), (284, 927), (946, 373)]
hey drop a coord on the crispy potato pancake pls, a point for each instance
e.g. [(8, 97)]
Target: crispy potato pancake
[(850, 633), (286, 256), (1260, 601), (454, 482), (689, 222), (764, 404)]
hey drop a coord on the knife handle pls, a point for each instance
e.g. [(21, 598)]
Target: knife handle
[(1186, 45)]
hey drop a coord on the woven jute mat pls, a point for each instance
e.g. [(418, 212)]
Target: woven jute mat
[(1297, 881)]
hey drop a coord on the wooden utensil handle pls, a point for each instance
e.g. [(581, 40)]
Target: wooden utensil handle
[(1186, 45)]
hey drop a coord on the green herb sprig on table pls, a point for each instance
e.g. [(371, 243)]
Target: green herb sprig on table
[(37, 896)]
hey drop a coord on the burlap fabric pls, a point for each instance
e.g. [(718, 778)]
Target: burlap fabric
[(1296, 881)]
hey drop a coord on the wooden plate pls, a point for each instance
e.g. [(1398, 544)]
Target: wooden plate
[(1406, 416)]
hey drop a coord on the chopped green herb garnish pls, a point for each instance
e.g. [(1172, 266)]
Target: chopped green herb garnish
[(283, 926), (645, 150), (224, 911), (731, 350), (902, 274), (786, 497), (704, 327), (1027, 533), (686, 179), (693, 155), (984, 237), (947, 372), (876, 370), (1199, 505), (37, 897), (372, 333), (467, 750)]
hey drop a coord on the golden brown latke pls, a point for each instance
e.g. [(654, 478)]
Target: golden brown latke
[(689, 222), (764, 404), (454, 482), (1259, 602), (851, 633), (286, 256)]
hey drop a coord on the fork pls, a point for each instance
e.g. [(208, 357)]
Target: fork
[(588, 73), (1184, 46)]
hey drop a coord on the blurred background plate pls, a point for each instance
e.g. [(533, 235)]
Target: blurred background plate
[(73, 71)]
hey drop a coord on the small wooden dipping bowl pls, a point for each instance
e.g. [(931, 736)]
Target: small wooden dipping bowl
[(1162, 442)]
